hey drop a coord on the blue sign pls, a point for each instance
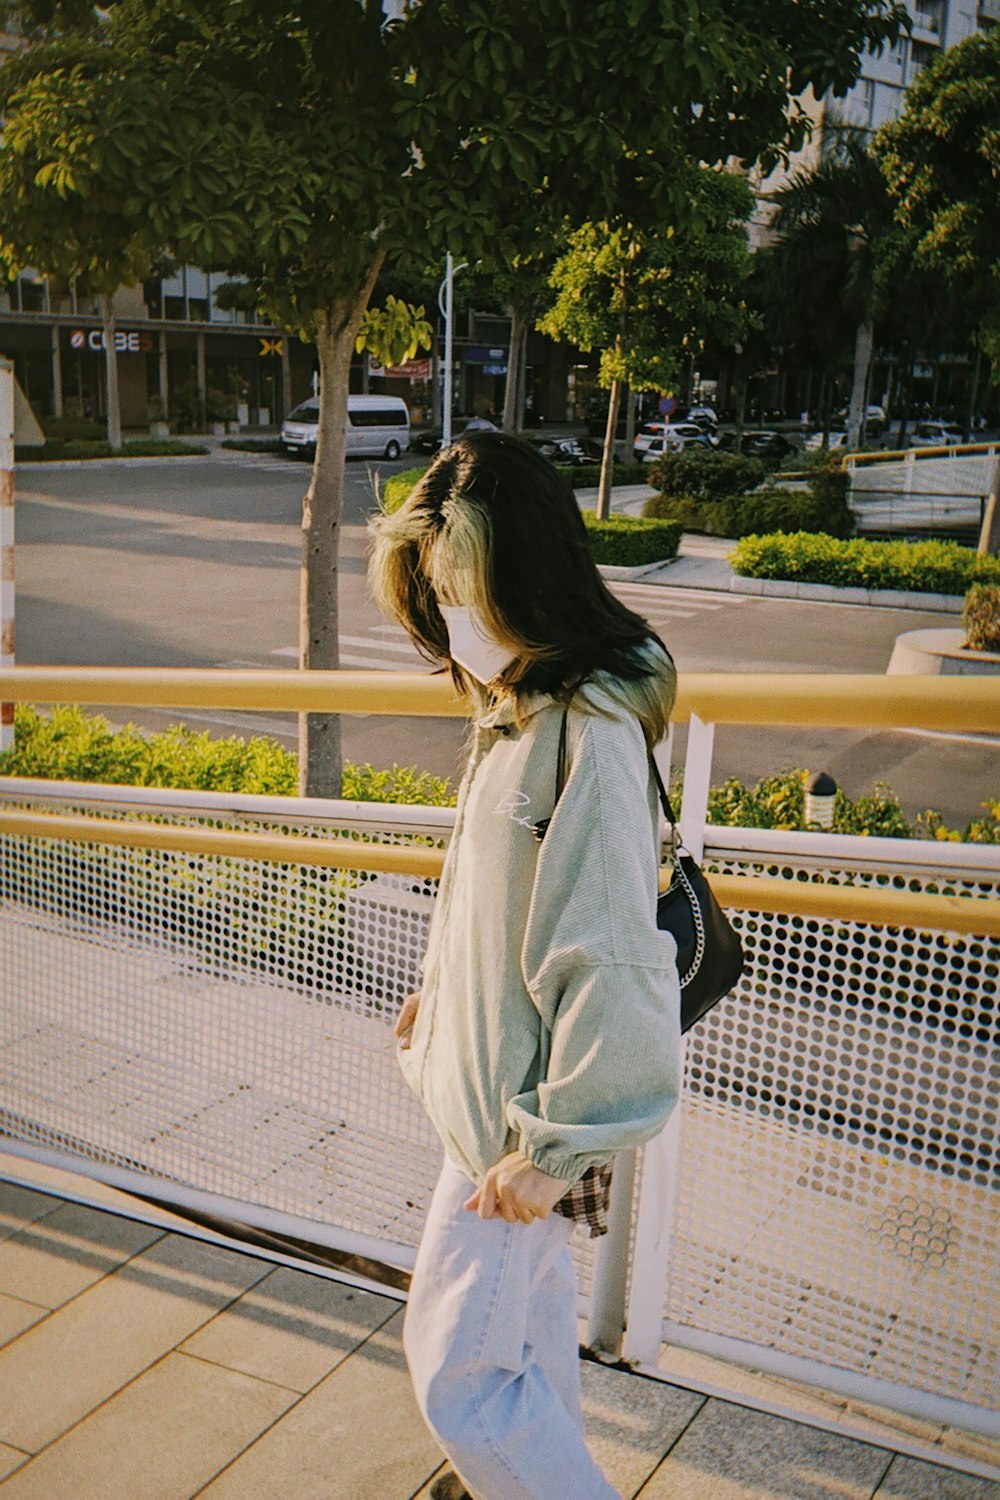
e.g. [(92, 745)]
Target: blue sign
[(492, 358), (667, 405)]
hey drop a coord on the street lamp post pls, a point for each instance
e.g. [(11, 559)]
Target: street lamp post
[(446, 290)]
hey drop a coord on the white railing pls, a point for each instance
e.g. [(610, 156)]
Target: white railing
[(217, 1032), (921, 490)]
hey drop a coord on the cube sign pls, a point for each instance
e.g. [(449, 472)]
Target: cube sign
[(125, 342)]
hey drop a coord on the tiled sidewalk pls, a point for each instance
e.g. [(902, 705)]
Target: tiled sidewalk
[(141, 1363)]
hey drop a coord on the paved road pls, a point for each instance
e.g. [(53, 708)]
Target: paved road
[(195, 563)]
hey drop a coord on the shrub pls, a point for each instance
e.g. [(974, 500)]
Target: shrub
[(70, 745), (706, 475), (55, 449), (588, 476), (981, 617), (395, 489), (763, 510), (254, 445), (630, 541), (73, 429), (919, 567)]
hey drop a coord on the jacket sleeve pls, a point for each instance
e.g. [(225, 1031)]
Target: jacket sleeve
[(601, 974)]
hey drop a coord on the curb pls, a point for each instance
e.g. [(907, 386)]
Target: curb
[(615, 574), (828, 593)]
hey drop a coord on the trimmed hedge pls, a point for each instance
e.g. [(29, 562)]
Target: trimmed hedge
[(395, 489), (254, 445), (919, 567), (56, 449), (588, 476), (70, 745), (705, 475), (763, 510), (630, 541)]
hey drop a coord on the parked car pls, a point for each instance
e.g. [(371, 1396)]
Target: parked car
[(837, 439), (875, 419), (657, 438), (377, 427), (759, 444), (937, 435), (703, 417), (430, 440), (568, 450)]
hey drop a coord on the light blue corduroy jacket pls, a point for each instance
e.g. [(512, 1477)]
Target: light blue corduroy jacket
[(549, 1017)]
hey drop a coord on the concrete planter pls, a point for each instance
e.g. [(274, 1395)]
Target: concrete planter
[(158, 429), (941, 653)]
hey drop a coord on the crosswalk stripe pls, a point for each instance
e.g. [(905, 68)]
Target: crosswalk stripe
[(380, 663), (368, 644)]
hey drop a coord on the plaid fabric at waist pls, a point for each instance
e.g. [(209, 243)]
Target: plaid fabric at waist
[(587, 1200)]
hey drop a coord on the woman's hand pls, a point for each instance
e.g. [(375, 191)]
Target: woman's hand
[(515, 1190), (404, 1021)]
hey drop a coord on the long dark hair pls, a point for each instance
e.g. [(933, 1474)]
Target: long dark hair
[(493, 525)]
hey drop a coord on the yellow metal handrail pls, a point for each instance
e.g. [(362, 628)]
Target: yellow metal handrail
[(745, 892), (893, 455), (841, 700), (846, 701)]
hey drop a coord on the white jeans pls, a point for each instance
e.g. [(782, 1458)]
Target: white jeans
[(491, 1342)]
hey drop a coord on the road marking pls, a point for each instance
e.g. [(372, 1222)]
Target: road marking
[(986, 741)]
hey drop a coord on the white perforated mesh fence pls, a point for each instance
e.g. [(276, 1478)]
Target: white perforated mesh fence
[(917, 495), (838, 1161), (225, 1025)]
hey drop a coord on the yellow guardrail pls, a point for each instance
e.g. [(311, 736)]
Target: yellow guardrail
[(841, 700), (746, 892), (958, 450)]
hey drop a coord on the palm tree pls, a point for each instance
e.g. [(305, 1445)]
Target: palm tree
[(830, 220)]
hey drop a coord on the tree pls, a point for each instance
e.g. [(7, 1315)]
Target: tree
[(297, 145), (831, 219), (941, 161), (648, 299), (57, 215)]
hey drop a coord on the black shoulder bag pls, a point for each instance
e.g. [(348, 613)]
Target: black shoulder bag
[(709, 952)]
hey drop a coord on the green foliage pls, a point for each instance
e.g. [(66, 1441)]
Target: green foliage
[(69, 745), (630, 541), (981, 617), (649, 298), (399, 784), (706, 475), (919, 567), (587, 476), (939, 159), (395, 489), (778, 801), (765, 510), (394, 332), (55, 449)]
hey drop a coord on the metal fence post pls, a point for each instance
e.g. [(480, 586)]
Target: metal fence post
[(6, 541), (660, 1161)]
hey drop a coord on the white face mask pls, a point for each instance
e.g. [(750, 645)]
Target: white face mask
[(471, 644)]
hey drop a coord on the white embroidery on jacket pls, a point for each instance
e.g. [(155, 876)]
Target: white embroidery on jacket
[(512, 802)]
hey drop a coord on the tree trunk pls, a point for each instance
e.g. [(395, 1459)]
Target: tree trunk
[(970, 410), (608, 456), (513, 396), (320, 763), (740, 392), (863, 341), (629, 423), (989, 536), (111, 373), (904, 407)]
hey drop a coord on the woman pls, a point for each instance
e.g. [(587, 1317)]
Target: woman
[(545, 1036)]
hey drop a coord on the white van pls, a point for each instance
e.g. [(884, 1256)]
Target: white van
[(377, 427)]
